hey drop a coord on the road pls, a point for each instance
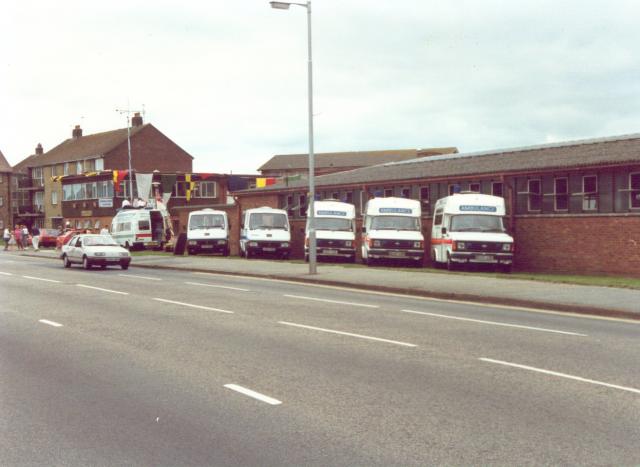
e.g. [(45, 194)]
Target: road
[(149, 367)]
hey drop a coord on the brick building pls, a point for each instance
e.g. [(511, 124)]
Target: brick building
[(572, 207), (37, 192), (5, 193)]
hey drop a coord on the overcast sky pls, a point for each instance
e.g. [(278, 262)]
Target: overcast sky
[(227, 80)]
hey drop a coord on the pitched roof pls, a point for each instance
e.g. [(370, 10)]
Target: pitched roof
[(74, 149), (349, 159), (571, 154), (4, 165)]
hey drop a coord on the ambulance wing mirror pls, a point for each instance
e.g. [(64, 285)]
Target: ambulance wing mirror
[(444, 230)]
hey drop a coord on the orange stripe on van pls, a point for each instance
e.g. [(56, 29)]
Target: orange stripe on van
[(441, 241)]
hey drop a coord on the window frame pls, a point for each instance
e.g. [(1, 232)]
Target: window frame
[(493, 190), (387, 190), (557, 195), (634, 191), (402, 192), (478, 184), (588, 197), (531, 194)]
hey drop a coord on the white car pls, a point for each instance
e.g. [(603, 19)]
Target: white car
[(94, 250)]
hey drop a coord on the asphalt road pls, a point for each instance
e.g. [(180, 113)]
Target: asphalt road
[(145, 367)]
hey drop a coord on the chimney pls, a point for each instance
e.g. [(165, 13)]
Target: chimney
[(77, 132), (39, 150), (136, 120)]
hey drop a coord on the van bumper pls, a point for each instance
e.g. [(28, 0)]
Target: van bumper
[(481, 258), (333, 252), (268, 248), (416, 255), (207, 246)]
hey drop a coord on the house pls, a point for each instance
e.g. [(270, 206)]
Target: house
[(37, 188), (572, 206), (5, 193)]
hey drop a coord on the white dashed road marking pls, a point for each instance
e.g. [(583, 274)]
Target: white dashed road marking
[(50, 323), (192, 306), (360, 336), (217, 286), (302, 297), (102, 290), (141, 277), (254, 394), (41, 279)]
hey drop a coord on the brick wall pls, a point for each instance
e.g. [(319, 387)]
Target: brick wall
[(150, 150), (585, 244), (5, 209)]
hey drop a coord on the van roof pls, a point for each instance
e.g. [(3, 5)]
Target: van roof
[(472, 202), (392, 202), (331, 205)]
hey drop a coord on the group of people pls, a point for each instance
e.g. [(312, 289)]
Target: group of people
[(20, 237)]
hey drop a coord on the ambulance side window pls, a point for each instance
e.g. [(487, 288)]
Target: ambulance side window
[(437, 220)]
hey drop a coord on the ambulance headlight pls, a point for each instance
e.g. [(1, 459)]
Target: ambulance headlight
[(417, 244), (284, 245), (192, 242), (460, 246), (253, 243), (221, 242), (348, 243), (376, 243), (506, 246)]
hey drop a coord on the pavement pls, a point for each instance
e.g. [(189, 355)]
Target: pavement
[(595, 300)]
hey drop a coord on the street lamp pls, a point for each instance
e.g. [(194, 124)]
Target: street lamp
[(128, 113), (312, 188)]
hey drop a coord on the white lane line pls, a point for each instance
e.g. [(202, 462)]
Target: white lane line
[(254, 394), (41, 279), (495, 323), (6, 273), (562, 375), (405, 344), (217, 286), (301, 297), (192, 306), (102, 290), (50, 323), (141, 277)]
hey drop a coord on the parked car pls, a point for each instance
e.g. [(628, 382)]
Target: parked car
[(64, 238), (48, 237), (94, 250)]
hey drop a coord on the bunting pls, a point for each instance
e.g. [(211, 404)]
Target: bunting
[(57, 178), (262, 182), (118, 176), (190, 186), (143, 184), (91, 174)]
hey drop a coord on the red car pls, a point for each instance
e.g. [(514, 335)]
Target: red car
[(64, 238), (49, 237)]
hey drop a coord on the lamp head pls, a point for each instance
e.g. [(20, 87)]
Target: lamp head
[(280, 5)]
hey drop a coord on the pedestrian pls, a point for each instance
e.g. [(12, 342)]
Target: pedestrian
[(6, 236), (17, 235), (35, 238), (104, 230), (25, 237)]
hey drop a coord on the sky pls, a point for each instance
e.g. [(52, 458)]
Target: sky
[(227, 80)]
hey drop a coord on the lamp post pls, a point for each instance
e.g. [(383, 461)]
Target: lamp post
[(128, 113), (312, 188)]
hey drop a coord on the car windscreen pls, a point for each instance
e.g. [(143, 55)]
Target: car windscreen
[(206, 221), (268, 220), (395, 223), (99, 240), (333, 223), (476, 223)]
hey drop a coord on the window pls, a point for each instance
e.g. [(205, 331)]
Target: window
[(496, 189), (289, 206), (561, 194), (424, 194), (634, 190), (99, 164), (79, 167), (388, 192), (454, 188), (1, 201), (474, 187), (104, 189), (54, 197), (438, 217), (54, 170), (38, 200), (302, 205), (534, 201), (348, 197), (206, 190), (405, 193), (589, 192), (335, 195), (66, 168), (36, 175)]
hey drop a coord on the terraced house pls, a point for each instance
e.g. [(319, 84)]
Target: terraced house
[(572, 206), (5, 192)]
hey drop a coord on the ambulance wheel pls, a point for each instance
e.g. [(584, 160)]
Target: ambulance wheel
[(505, 268), (351, 259), (451, 266), (225, 252)]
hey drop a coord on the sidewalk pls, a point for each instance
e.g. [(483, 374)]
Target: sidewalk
[(605, 301)]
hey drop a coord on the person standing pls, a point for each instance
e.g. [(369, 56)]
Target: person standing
[(25, 237), (104, 230), (35, 238), (6, 236), (17, 235)]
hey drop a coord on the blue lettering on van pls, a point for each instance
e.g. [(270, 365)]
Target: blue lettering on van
[(395, 211), (470, 207), (332, 213)]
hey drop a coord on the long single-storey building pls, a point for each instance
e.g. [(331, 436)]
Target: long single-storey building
[(572, 206)]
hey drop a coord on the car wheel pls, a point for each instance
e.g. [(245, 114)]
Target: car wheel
[(85, 263), (66, 262), (124, 266)]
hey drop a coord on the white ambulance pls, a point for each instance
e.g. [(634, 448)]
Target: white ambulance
[(140, 228), (265, 231), (335, 226), (468, 228), (391, 229), (208, 232)]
